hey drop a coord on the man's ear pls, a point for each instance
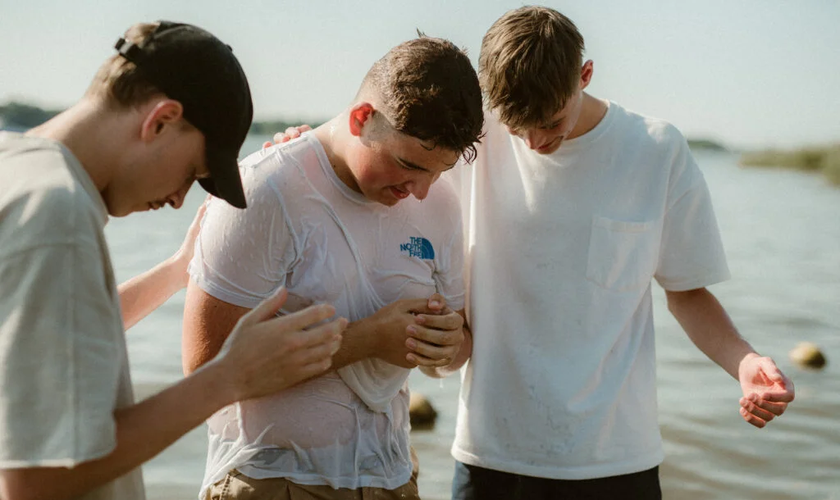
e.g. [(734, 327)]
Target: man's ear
[(360, 115), (586, 74), (159, 118)]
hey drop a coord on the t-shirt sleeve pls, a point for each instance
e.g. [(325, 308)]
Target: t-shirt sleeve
[(449, 272), (242, 256), (61, 354), (691, 254)]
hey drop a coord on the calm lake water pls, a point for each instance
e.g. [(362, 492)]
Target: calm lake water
[(781, 230)]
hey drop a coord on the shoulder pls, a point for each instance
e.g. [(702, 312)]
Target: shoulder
[(279, 168), (656, 130), (42, 201)]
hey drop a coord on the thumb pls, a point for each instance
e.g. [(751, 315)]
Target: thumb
[(436, 302), (771, 370), (267, 308)]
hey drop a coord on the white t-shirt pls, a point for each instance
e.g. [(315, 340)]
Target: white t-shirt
[(63, 361), (306, 230), (562, 379)]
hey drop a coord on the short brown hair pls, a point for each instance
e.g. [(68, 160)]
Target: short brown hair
[(117, 81), (430, 91), (530, 65)]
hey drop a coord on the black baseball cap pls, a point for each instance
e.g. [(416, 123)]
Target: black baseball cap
[(195, 68)]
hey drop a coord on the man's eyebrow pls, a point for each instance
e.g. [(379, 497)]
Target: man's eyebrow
[(554, 123), (412, 165)]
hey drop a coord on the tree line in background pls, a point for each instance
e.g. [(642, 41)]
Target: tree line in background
[(22, 116), (825, 159)]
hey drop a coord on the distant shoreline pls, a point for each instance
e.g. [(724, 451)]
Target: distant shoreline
[(824, 159), (19, 117)]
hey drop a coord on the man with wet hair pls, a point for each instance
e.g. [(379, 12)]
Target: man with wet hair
[(332, 220), (171, 107)]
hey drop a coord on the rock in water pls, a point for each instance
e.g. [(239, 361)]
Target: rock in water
[(808, 355), (421, 412)]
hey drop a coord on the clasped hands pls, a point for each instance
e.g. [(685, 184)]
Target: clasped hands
[(418, 332)]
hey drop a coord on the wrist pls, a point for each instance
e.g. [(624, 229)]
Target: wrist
[(176, 266), (219, 384)]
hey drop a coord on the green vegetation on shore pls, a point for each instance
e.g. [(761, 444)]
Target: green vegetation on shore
[(16, 115), (705, 144), (825, 159), (22, 116)]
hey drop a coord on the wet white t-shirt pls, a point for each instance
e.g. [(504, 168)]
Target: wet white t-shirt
[(563, 249), (306, 230)]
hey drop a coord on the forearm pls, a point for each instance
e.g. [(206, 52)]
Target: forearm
[(708, 325), (143, 431), (358, 343), (144, 293), (458, 361)]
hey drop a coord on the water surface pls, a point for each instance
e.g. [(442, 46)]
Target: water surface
[(781, 231)]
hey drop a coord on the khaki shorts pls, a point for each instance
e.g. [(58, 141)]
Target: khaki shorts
[(237, 486)]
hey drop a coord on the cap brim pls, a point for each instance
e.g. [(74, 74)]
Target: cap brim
[(224, 181)]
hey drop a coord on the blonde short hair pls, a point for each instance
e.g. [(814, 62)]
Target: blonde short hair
[(530, 65)]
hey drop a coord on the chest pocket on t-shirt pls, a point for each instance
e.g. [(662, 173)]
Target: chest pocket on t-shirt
[(622, 255)]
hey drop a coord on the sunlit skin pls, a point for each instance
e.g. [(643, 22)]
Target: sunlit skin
[(169, 159), (374, 159)]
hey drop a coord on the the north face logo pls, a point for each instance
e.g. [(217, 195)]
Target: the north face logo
[(418, 247)]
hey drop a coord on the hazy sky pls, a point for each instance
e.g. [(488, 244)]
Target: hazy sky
[(746, 72)]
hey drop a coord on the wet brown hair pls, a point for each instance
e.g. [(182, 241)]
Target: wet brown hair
[(530, 65), (429, 90)]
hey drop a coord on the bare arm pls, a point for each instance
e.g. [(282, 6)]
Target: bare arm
[(144, 293), (263, 355), (765, 388), (407, 333)]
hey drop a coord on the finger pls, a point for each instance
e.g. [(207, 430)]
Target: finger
[(199, 215), (774, 408), (316, 353), (266, 309), (778, 397), (756, 410), (267, 144), (451, 321), (436, 302), (306, 318), (431, 351), (304, 128), (416, 306), (328, 333), (424, 361), (281, 137), (312, 370), (752, 419), (435, 336)]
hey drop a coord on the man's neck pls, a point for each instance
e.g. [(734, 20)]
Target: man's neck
[(333, 136), (87, 130), (591, 113)]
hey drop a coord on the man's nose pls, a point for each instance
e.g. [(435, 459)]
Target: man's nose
[(419, 188), (534, 139), (176, 201)]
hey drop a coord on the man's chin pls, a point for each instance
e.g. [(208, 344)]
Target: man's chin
[(551, 148)]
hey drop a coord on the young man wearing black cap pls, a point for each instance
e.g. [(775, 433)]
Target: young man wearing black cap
[(172, 107)]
